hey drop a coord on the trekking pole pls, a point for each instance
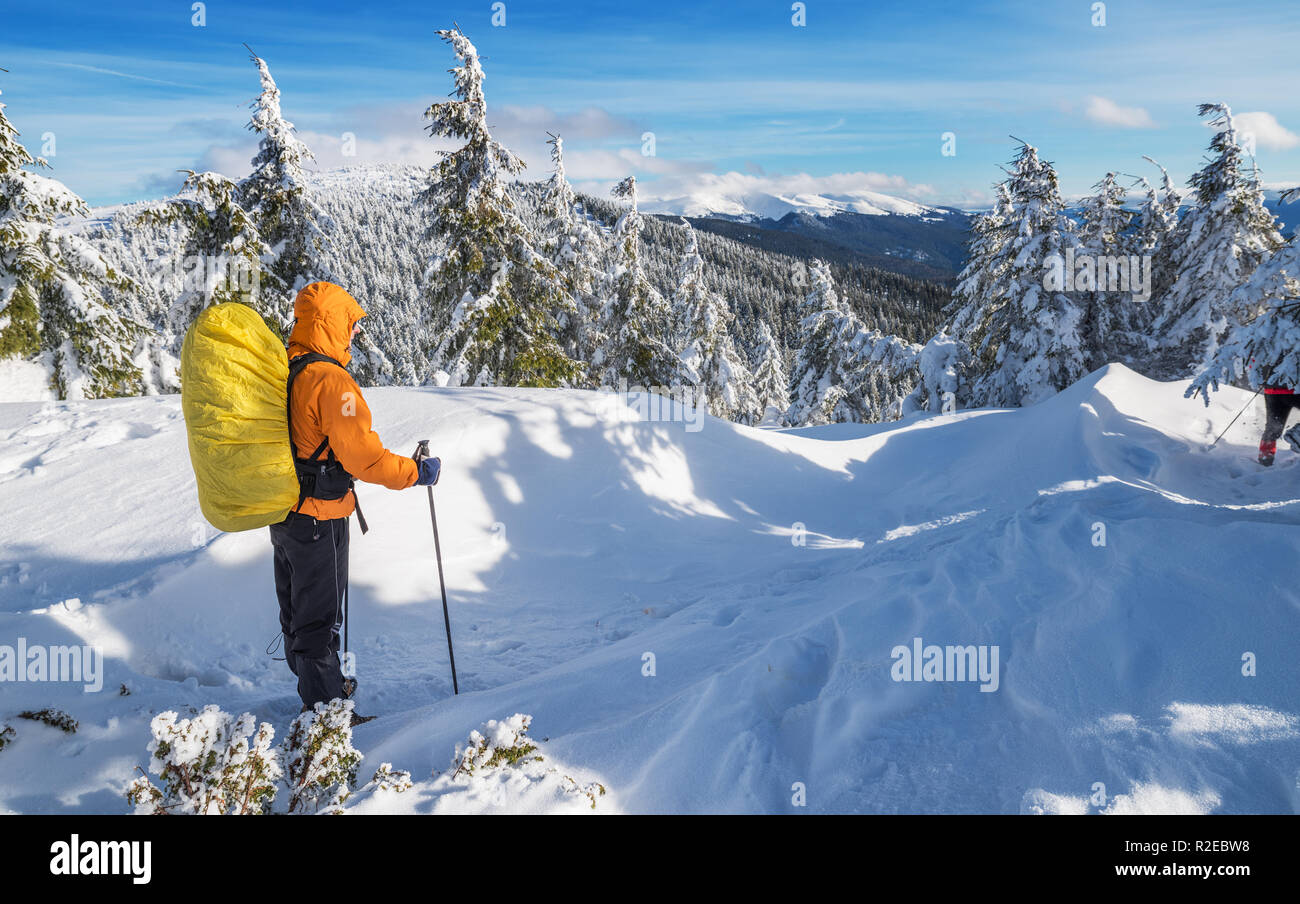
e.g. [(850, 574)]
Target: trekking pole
[(421, 453), (1234, 420), (349, 664)]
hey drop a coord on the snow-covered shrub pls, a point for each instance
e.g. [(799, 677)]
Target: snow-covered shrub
[(495, 743), (322, 763), (55, 718), (591, 790), (388, 779), (500, 755), (6, 736), (208, 766)]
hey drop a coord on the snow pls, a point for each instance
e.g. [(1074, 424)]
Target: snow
[(769, 573), (24, 381)]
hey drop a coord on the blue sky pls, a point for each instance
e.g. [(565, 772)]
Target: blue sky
[(738, 98)]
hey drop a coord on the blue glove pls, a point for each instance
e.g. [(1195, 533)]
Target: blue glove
[(430, 468)]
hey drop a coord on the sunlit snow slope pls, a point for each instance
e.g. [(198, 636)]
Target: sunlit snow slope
[(576, 542)]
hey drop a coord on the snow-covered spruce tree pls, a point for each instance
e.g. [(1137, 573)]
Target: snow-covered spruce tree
[(275, 193), (575, 248), (709, 360), (943, 365), (210, 765), (52, 307), (224, 254), (637, 321), (1045, 354), (1215, 248), (1109, 313), (843, 371), (493, 297), (816, 389), (1024, 333), (882, 373), (978, 311), (771, 384), (1263, 348), (1158, 216), (1157, 219)]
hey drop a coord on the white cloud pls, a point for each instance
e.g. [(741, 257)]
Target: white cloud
[(599, 147), (232, 160), (396, 133), (1268, 132), (1108, 113)]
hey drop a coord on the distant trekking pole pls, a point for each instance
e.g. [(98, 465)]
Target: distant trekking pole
[(1212, 445), (421, 453)]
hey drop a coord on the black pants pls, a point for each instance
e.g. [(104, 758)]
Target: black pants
[(311, 573), (1278, 406)]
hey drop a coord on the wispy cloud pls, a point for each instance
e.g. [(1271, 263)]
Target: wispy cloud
[(138, 78), (1106, 112)]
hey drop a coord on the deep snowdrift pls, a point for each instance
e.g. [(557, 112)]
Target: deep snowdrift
[(575, 544)]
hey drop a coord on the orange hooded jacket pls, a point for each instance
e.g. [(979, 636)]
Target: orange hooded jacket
[(326, 401)]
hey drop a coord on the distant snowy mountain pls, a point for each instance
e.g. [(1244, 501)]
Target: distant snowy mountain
[(762, 206), (860, 227), (932, 246)]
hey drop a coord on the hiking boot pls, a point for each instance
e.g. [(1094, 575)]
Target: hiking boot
[(1265, 458), (1292, 438)]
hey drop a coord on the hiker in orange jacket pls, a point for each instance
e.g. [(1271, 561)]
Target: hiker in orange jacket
[(329, 423)]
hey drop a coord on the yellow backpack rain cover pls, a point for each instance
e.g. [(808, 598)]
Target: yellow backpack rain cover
[(233, 376)]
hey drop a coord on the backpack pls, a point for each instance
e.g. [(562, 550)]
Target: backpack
[(234, 373), (235, 384)]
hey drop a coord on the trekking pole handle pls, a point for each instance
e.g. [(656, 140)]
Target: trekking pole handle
[(421, 450)]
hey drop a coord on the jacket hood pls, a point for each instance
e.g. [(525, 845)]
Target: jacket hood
[(324, 315)]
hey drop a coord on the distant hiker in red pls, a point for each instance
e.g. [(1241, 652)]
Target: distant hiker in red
[(1278, 402)]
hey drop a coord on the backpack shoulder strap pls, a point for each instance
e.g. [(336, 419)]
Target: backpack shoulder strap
[(296, 367), (297, 364)]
